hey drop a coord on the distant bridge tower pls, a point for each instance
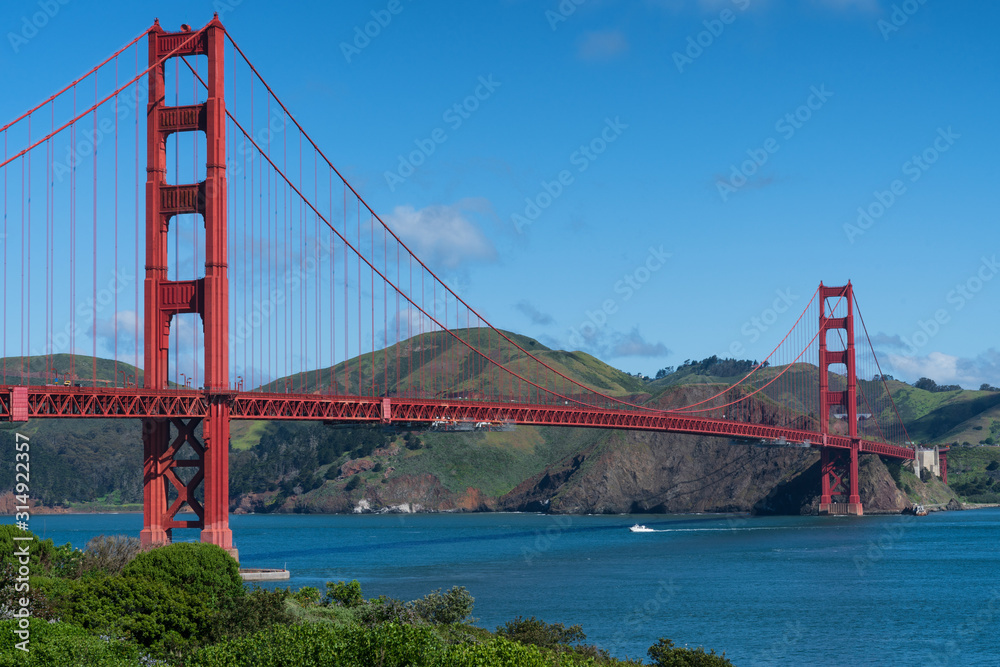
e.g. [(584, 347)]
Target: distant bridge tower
[(207, 296), (839, 468)]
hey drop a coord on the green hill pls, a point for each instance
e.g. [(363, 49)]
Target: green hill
[(315, 467)]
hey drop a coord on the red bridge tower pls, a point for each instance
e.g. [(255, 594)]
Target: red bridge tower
[(207, 296), (839, 467)]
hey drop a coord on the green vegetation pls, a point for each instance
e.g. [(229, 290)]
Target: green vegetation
[(204, 570), (183, 604), (665, 654), (974, 473)]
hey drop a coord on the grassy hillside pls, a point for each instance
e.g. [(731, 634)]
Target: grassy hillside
[(974, 473), (75, 368), (494, 462), (413, 365)]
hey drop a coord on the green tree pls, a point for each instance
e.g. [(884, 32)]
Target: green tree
[(110, 553), (62, 645), (664, 654), (201, 569), (455, 606), (343, 594), (152, 613), (539, 633)]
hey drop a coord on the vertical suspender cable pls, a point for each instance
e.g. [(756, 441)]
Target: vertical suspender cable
[(347, 355), (177, 227), (359, 297), (72, 247), (24, 239), (319, 287), (194, 231), (5, 237), (135, 276), (372, 300), (385, 310), (115, 266), (49, 156)]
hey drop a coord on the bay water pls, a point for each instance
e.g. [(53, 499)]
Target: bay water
[(879, 590)]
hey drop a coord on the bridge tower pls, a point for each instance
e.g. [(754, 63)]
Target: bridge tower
[(839, 468), (207, 296)]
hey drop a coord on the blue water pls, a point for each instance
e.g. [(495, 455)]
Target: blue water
[(886, 590)]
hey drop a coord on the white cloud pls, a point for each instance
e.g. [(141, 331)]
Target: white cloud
[(949, 369), (442, 235)]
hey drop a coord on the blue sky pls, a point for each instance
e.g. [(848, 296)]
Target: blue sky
[(711, 154)]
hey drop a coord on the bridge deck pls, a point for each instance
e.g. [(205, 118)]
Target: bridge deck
[(45, 402)]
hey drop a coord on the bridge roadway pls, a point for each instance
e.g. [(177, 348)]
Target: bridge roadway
[(20, 403)]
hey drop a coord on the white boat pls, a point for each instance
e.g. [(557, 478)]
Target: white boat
[(641, 529)]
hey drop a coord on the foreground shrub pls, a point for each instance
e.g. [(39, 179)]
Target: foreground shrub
[(307, 596), (11, 597), (64, 645), (455, 606), (539, 633), (315, 645), (664, 654), (150, 613), (343, 594), (110, 553), (499, 652), (44, 557), (201, 569), (555, 637), (385, 610), (257, 610)]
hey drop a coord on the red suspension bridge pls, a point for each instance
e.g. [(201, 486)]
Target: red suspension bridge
[(272, 290)]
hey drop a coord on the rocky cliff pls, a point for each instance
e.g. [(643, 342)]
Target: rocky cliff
[(627, 472)]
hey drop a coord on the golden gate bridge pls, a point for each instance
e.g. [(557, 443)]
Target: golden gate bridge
[(281, 294)]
